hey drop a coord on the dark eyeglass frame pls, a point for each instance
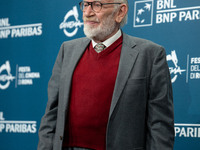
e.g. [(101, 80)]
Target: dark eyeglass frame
[(81, 4)]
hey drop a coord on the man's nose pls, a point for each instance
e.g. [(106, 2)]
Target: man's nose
[(88, 11)]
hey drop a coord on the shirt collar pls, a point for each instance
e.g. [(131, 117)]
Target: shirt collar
[(109, 41)]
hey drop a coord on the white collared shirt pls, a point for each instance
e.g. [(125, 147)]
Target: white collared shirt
[(109, 41)]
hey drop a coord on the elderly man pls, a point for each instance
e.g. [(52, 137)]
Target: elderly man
[(109, 91)]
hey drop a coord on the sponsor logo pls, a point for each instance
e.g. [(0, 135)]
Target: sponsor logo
[(17, 126), (24, 76), (143, 13), (166, 11), (192, 67), (70, 28), (187, 130), (6, 30), (175, 70), (5, 76)]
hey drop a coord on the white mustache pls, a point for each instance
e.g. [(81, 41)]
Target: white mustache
[(91, 19)]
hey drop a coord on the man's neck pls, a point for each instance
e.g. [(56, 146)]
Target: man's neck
[(110, 40), (107, 37)]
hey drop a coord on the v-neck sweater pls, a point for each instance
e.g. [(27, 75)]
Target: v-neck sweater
[(91, 94)]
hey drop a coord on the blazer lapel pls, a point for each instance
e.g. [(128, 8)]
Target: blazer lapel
[(72, 60), (78, 50), (127, 60)]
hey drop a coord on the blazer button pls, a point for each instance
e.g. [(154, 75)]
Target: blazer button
[(61, 138)]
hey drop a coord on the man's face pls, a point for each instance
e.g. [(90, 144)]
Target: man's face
[(101, 25)]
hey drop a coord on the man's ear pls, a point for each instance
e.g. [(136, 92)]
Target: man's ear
[(121, 13)]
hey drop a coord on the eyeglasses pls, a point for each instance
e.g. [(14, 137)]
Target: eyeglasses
[(95, 5)]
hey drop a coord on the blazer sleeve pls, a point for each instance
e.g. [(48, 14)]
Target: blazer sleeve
[(160, 118), (48, 121)]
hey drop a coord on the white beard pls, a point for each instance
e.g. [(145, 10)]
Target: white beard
[(100, 32)]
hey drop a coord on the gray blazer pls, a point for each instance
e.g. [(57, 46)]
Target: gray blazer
[(141, 113)]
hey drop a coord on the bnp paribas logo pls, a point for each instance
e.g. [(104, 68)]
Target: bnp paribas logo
[(149, 12), (143, 13)]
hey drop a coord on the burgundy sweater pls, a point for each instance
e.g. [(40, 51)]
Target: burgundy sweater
[(91, 94)]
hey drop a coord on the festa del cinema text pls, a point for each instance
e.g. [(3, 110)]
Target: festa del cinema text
[(195, 68)]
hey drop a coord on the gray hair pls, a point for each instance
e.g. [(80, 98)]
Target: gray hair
[(124, 20)]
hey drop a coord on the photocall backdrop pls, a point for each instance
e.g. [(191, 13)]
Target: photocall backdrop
[(31, 33)]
